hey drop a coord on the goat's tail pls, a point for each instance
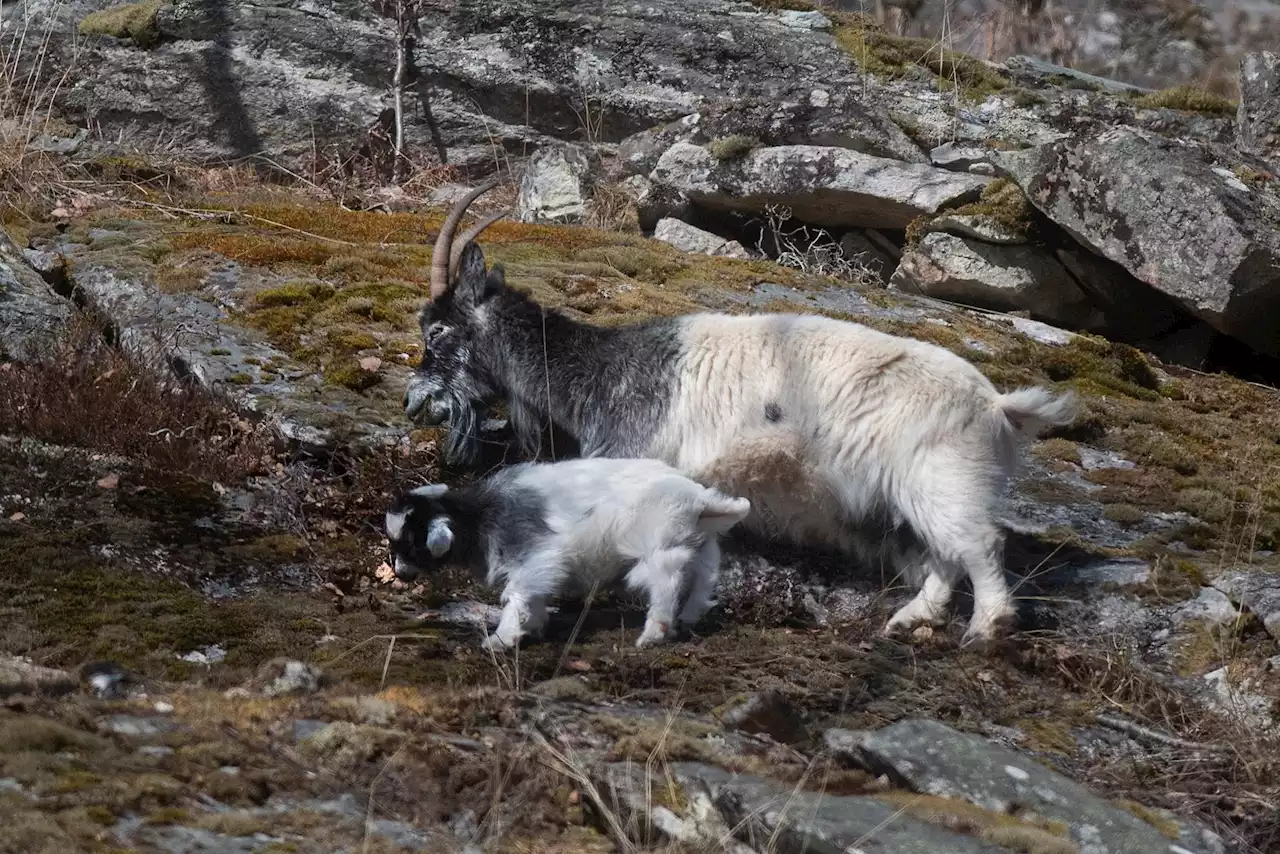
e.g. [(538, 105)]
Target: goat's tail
[(721, 512), (1030, 410)]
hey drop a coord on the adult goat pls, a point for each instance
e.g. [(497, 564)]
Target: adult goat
[(838, 434)]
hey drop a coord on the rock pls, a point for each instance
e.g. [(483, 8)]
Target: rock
[(1239, 700), (976, 227), (281, 677), (843, 745), (687, 238), (1211, 606), (134, 726), (196, 338), (1037, 70), (1160, 209), (999, 278), (1257, 590), (770, 816), (1258, 116), (804, 20), (769, 713), (934, 759), (958, 158), (802, 115), (821, 185), (556, 185), (18, 676), (31, 314)]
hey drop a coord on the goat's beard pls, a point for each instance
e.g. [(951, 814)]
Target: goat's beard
[(462, 438)]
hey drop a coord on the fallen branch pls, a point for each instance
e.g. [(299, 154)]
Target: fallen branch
[(1154, 736)]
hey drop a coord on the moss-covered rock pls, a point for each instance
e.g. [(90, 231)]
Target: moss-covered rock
[(136, 21)]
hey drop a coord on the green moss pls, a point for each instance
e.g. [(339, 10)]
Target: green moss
[(894, 56), (239, 379), (1167, 827), (1094, 365), (168, 815), (1057, 449), (1124, 514), (1253, 177), (732, 147), (1048, 736), (1188, 99), (135, 21), (350, 340), (1024, 97), (29, 733), (274, 547), (294, 293), (122, 167), (348, 374), (219, 351)]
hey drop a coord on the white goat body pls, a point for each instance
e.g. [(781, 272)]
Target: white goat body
[(827, 425), (544, 529)]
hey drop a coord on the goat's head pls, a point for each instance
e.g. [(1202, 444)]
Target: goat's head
[(453, 381), (420, 530)]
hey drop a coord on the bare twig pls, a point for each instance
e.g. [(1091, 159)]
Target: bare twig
[(1154, 736)]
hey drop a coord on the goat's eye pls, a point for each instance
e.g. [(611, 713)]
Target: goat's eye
[(434, 332)]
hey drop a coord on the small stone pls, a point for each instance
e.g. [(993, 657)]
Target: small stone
[(687, 238), (163, 708), (843, 745), (370, 364), (281, 677), (804, 20), (111, 481), (1211, 606), (134, 726)]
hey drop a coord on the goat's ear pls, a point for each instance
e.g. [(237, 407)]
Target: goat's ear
[(439, 536), (431, 490), (474, 280)]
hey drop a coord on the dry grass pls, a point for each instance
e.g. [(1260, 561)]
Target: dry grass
[(85, 393)]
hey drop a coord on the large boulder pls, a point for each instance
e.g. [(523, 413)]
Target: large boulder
[(821, 185), (807, 113), (1258, 116), (934, 759), (556, 185), (31, 314), (997, 277), (297, 78), (1195, 222)]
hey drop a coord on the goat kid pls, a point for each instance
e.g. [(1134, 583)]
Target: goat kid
[(892, 448), (545, 529)]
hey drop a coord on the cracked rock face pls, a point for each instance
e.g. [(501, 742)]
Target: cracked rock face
[(1178, 216), (830, 187)]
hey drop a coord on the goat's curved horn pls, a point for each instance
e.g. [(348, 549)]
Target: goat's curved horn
[(455, 252), (440, 279)]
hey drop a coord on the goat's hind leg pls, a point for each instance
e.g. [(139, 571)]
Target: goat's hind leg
[(661, 574), (957, 532), (929, 606), (703, 571)]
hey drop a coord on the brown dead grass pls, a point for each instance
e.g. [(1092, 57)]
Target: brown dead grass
[(85, 393)]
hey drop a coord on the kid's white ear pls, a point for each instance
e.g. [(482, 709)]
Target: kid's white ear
[(431, 490), (439, 536)]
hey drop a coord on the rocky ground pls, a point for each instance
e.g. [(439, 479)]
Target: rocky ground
[(201, 648)]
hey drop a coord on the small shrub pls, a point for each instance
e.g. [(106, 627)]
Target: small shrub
[(732, 147), (86, 394)]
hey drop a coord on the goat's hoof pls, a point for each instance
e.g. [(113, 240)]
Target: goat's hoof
[(981, 635), (493, 643)]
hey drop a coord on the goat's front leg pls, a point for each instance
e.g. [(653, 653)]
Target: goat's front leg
[(523, 614)]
